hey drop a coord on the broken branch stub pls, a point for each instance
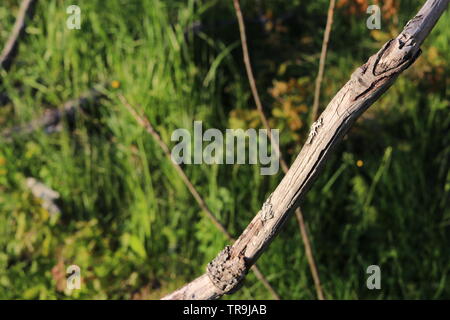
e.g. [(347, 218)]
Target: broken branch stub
[(365, 86)]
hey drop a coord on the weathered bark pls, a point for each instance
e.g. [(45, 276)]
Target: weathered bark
[(365, 86), (145, 123)]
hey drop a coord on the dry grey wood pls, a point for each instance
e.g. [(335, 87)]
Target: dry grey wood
[(365, 86), (9, 52)]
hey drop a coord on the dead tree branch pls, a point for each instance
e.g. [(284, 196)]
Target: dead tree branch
[(367, 83), (284, 166)]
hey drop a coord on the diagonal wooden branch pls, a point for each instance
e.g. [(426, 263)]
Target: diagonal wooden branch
[(284, 166), (365, 86), (145, 123), (10, 50)]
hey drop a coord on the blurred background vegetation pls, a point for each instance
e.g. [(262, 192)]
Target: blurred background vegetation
[(125, 216)]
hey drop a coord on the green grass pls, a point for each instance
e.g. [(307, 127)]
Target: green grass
[(128, 220)]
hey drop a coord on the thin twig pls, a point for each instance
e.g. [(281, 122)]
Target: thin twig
[(251, 78), (366, 85), (10, 50), (323, 56), (145, 123), (284, 166)]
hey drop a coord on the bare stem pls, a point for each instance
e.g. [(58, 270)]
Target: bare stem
[(145, 123), (10, 50), (323, 56), (284, 166)]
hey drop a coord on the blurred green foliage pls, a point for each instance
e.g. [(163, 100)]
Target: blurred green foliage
[(126, 217)]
